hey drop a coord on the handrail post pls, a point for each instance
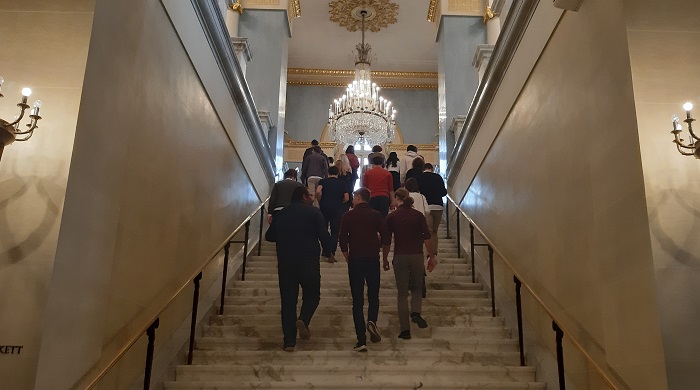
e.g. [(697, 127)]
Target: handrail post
[(262, 220), (459, 244), (493, 287), (245, 248), (151, 332), (560, 355), (519, 307), (447, 218), (193, 323), (471, 246), (225, 276)]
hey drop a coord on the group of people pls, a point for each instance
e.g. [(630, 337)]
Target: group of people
[(364, 234)]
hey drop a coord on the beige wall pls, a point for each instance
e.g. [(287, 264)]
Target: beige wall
[(155, 186), (45, 47), (562, 195), (664, 47)]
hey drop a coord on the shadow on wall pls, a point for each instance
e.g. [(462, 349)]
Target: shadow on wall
[(48, 194)]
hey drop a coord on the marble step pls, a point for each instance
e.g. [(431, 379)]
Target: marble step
[(385, 309), (449, 302), (347, 328), (367, 371), (253, 291), (384, 321), (387, 275), (385, 283), (220, 385), (320, 358), (414, 346), (342, 269)]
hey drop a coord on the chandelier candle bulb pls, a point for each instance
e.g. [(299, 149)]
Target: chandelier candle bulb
[(688, 106)]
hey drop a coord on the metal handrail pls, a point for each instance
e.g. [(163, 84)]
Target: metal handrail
[(93, 376), (539, 300)]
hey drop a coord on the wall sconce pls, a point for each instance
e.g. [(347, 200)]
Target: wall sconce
[(694, 142), (11, 131)]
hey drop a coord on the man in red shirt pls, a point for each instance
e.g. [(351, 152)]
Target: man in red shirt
[(380, 184), (364, 231)]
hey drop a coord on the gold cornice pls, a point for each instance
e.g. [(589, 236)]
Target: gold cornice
[(296, 8), (489, 14), (236, 6), (351, 73), (343, 85), (431, 10)]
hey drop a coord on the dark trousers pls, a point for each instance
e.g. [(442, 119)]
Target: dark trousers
[(293, 273), (333, 217), (380, 203), (397, 179), (361, 270)]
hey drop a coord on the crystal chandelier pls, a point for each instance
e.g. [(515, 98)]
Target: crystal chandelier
[(361, 115)]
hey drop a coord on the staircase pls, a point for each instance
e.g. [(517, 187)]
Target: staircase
[(463, 348)]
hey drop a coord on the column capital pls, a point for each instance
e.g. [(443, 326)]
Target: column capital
[(457, 124), (242, 48), (482, 54)]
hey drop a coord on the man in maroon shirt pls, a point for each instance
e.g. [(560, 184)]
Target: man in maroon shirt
[(410, 231), (364, 231), (380, 184)]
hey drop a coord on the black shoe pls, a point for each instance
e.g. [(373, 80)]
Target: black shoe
[(360, 347), (405, 334), (374, 335), (304, 333), (418, 320)]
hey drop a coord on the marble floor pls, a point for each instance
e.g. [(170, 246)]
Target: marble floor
[(464, 347)]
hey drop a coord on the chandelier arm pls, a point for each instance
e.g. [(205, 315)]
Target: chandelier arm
[(679, 142), (678, 146), (25, 138), (32, 126), (690, 129), (23, 107)]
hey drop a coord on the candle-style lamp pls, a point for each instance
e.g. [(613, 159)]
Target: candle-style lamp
[(693, 147), (12, 131)]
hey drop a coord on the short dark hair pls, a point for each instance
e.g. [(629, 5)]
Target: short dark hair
[(376, 149), (299, 193), (330, 160), (350, 149), (412, 185), (377, 160), (418, 163), (333, 170), (314, 143), (290, 174), (363, 193), (412, 148), (428, 167)]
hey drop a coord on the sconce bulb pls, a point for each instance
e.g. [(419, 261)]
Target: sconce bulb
[(38, 103), (2, 80), (688, 106), (26, 91)]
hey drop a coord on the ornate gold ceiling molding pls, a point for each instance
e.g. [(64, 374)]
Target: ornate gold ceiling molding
[(350, 73), (295, 8), (432, 9), (382, 13), (343, 85)]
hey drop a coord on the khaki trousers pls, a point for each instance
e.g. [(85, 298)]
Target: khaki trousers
[(434, 217)]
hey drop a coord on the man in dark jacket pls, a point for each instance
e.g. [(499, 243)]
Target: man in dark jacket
[(297, 230), (363, 230), (313, 169), (282, 192), (432, 186)]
